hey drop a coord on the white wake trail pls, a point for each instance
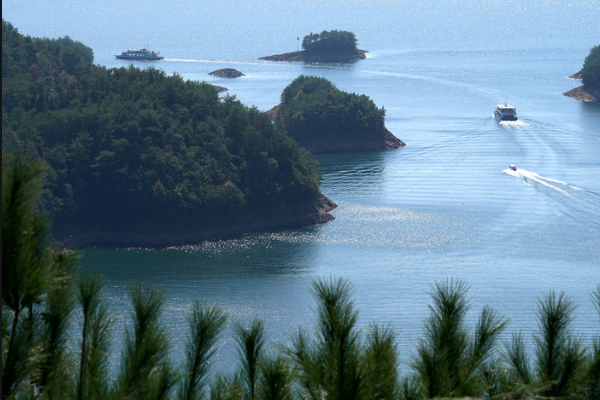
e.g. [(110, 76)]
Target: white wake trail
[(514, 124), (579, 203), (184, 60)]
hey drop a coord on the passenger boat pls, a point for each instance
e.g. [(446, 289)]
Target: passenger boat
[(141, 54), (505, 112), (512, 166)]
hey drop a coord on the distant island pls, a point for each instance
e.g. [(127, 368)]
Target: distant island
[(328, 46), (227, 73), (135, 157), (324, 119), (590, 77)]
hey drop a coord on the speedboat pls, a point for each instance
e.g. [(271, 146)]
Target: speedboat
[(141, 54), (505, 112), (512, 166)]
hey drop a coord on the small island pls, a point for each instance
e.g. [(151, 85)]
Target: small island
[(227, 73), (135, 157), (590, 77), (328, 46), (324, 119)]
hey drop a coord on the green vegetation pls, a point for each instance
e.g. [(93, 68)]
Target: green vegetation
[(51, 351), (330, 42), (452, 362), (40, 58), (312, 108), (590, 73), (126, 144)]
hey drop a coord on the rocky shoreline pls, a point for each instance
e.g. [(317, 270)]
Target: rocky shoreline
[(303, 56), (583, 93), (156, 234)]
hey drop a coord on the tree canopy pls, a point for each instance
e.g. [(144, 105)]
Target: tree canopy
[(329, 41), (590, 73), (137, 144), (42, 57), (313, 108)]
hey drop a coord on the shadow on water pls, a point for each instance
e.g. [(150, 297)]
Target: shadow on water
[(590, 117), (248, 276), (353, 174), (270, 253)]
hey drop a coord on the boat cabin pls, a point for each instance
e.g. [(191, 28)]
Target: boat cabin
[(505, 112)]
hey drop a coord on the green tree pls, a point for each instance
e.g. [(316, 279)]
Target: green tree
[(341, 363), (560, 358), (591, 377), (93, 380), (250, 344), (330, 41), (146, 370), (37, 290), (313, 110), (451, 362), (276, 381), (134, 145), (206, 325), (590, 73)]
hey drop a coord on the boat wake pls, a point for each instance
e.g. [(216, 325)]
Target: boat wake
[(578, 203), (184, 60), (514, 124)]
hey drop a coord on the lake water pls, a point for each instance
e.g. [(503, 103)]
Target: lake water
[(445, 206)]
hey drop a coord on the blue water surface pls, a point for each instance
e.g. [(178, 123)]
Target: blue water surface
[(445, 206)]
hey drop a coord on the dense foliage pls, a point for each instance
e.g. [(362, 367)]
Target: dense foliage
[(313, 108), (590, 73), (134, 143), (40, 58), (57, 332), (330, 41)]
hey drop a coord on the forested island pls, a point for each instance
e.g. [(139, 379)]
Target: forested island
[(136, 157), (328, 46), (590, 77), (323, 119)]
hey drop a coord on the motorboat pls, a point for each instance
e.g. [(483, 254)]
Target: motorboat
[(512, 166), (140, 54), (505, 112)]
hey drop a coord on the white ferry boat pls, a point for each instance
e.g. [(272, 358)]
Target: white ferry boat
[(141, 54), (505, 112)]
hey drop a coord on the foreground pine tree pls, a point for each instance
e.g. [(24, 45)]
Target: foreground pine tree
[(452, 362), (37, 291)]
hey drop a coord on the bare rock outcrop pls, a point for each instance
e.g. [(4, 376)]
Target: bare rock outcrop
[(220, 88), (227, 73), (584, 93)]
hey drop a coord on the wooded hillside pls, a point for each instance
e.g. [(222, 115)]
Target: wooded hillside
[(127, 143)]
